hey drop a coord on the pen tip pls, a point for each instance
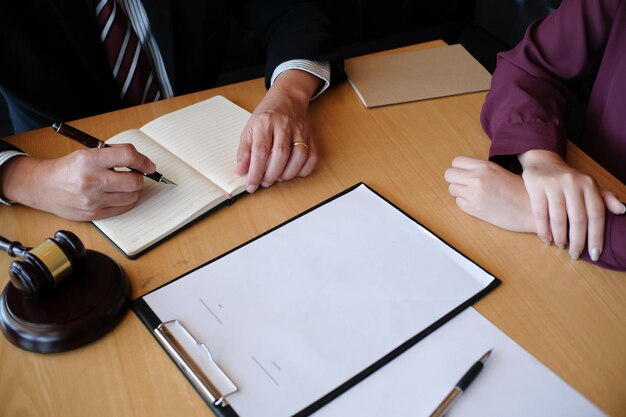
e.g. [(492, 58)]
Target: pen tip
[(56, 126), (166, 181), (485, 356)]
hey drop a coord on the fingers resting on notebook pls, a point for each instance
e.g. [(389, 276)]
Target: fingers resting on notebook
[(277, 143)]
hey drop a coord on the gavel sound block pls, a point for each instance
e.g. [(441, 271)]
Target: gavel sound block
[(60, 295)]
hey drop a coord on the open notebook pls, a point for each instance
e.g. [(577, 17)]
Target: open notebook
[(195, 147)]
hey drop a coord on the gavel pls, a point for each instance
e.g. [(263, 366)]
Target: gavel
[(45, 266), (60, 295)]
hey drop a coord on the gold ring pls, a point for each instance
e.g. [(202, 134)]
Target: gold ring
[(299, 142)]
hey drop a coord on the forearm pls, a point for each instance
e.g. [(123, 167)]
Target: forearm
[(320, 69), (18, 180), (297, 85), (526, 104), (293, 30), (523, 112), (538, 157)]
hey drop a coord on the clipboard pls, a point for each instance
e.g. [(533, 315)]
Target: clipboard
[(197, 342)]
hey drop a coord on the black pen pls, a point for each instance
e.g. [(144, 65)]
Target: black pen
[(460, 386), (91, 142)]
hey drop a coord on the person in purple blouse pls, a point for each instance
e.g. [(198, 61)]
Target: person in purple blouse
[(524, 115)]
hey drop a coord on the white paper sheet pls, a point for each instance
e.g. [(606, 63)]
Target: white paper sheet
[(513, 383), (299, 311)]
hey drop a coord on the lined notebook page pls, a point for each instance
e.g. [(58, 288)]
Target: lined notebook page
[(206, 136), (162, 208)]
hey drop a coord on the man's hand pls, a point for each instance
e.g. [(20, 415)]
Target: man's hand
[(567, 205), (79, 186), (266, 151)]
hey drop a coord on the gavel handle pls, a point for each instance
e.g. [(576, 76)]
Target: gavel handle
[(12, 248)]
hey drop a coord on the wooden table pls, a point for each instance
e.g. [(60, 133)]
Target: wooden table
[(569, 315)]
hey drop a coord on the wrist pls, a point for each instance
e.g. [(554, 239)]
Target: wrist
[(17, 179), (297, 84), (538, 157)]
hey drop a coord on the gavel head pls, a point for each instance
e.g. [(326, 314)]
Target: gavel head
[(43, 267)]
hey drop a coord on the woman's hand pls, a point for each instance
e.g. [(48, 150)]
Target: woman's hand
[(485, 190), (567, 204)]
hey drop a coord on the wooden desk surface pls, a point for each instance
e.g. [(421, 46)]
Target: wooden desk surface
[(569, 315)]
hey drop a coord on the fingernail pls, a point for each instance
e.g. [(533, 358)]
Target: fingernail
[(546, 241), (574, 255), (265, 184), (251, 188), (595, 254), (623, 208), (561, 246)]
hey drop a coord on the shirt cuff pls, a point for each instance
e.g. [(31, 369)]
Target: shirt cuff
[(4, 158), (321, 69)]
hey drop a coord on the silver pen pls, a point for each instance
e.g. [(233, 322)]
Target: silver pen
[(460, 386)]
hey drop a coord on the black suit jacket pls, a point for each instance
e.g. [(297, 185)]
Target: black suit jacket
[(54, 68)]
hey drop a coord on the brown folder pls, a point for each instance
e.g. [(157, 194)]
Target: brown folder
[(416, 75)]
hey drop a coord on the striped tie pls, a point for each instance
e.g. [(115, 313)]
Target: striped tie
[(127, 59)]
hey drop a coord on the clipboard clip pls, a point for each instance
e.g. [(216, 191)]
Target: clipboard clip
[(196, 362)]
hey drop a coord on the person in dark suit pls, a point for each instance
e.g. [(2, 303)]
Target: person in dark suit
[(55, 68)]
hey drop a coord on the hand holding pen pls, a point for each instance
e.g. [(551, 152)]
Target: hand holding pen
[(80, 185), (92, 142)]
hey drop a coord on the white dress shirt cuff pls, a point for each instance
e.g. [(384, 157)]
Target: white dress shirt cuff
[(4, 158), (321, 69)]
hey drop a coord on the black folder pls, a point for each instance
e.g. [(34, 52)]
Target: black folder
[(190, 348)]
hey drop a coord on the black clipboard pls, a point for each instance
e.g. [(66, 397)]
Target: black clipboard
[(215, 386)]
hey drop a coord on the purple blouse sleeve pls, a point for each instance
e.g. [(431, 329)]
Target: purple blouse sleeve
[(526, 105), (614, 253), (527, 102)]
